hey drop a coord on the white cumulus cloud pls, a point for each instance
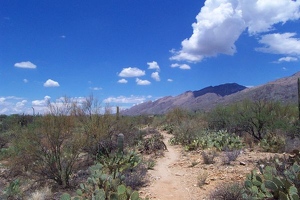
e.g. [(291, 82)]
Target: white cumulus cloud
[(287, 59), (25, 65), (277, 43), (181, 66), (142, 82), (170, 80), (131, 72), (122, 81), (155, 76), (126, 100), (51, 83), (153, 65), (13, 105), (220, 23)]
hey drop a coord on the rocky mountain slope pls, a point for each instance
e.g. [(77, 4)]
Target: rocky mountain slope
[(283, 90)]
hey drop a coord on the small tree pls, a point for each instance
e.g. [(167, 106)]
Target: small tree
[(259, 117), (50, 148)]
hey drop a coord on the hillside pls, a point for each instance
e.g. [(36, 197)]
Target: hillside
[(283, 90)]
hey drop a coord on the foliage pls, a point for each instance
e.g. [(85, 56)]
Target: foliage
[(152, 144), (169, 128), (273, 143), (194, 139), (136, 177), (101, 185), (229, 191), (116, 163), (150, 164), (280, 181), (230, 156), (176, 116), (50, 147), (13, 191), (209, 156), (254, 117), (201, 178)]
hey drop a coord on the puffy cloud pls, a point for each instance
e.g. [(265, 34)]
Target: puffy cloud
[(131, 72), (218, 26), (127, 100), (181, 66), (122, 81), (170, 80), (42, 102), (155, 76), (287, 59), (25, 65), (13, 105), (277, 43), (142, 82), (261, 15), (153, 65), (51, 83), (220, 23)]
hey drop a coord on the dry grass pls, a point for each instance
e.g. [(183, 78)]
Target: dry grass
[(42, 194)]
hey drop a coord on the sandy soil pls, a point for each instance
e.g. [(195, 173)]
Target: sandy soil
[(175, 178)]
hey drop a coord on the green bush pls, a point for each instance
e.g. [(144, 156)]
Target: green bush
[(273, 143), (221, 140), (13, 191)]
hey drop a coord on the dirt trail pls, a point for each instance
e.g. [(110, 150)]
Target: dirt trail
[(167, 182)]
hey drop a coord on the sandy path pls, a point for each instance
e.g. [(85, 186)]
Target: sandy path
[(167, 183)]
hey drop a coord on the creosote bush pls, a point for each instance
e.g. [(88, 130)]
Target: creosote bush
[(209, 156), (201, 178), (229, 191), (230, 156)]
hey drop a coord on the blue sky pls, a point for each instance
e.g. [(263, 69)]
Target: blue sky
[(126, 52)]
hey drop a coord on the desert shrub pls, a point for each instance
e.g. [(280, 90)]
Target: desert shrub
[(209, 156), (150, 164), (201, 178), (229, 191), (254, 117), (176, 116), (169, 128), (152, 144), (187, 132), (273, 143), (43, 194), (136, 177), (50, 147), (13, 190), (230, 156)]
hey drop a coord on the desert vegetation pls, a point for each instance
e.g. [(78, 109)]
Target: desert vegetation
[(78, 150)]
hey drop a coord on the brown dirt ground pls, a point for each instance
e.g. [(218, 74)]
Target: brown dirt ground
[(174, 178)]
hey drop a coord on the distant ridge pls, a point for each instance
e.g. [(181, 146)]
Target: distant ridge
[(222, 90), (283, 90)]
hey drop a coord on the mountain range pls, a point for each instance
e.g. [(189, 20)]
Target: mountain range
[(284, 90)]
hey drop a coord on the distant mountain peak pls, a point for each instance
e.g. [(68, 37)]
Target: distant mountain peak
[(221, 90), (284, 90)]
